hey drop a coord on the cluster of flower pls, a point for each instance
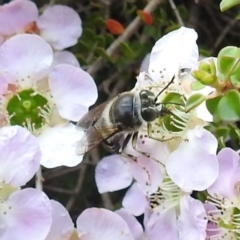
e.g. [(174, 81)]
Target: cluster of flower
[(165, 165), (43, 89)]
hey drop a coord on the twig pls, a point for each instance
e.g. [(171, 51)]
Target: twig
[(106, 199), (56, 172), (176, 12), (59, 190), (129, 31), (224, 32), (39, 179)]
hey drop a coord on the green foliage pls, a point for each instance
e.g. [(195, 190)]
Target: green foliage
[(229, 106), (194, 101), (227, 4), (228, 61)]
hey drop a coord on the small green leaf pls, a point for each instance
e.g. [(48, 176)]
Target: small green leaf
[(213, 69), (228, 60), (101, 52), (222, 132), (229, 106), (212, 105), (194, 101), (235, 78), (205, 66), (126, 49), (226, 4), (199, 74), (196, 85), (172, 98)]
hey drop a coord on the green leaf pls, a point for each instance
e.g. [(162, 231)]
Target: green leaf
[(205, 66), (194, 101), (228, 60), (212, 105), (101, 52), (235, 78), (226, 4), (229, 106), (173, 98), (196, 85), (127, 51), (222, 132)]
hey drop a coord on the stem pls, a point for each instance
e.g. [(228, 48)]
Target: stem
[(39, 179), (129, 31)]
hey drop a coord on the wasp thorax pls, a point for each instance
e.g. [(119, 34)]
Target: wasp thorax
[(149, 110)]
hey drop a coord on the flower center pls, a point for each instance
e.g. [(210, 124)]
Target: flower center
[(28, 109)]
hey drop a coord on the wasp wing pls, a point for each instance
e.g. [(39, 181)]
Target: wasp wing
[(93, 137), (91, 117), (94, 133)]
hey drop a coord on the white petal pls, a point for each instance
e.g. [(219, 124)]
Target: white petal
[(3, 85), (26, 214), (102, 224), (134, 226), (58, 145), (19, 155), (57, 29), (62, 225), (112, 174), (73, 91), (147, 173), (229, 175), (134, 200), (192, 220), (145, 63), (193, 165), (16, 15), (162, 224), (26, 57), (174, 51), (64, 57)]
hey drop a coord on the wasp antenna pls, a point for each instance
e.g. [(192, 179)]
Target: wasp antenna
[(174, 103), (164, 88)]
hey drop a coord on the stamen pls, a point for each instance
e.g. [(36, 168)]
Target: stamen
[(19, 98)]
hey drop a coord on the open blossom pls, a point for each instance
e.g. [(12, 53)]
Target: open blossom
[(24, 212), (174, 144), (223, 203), (43, 98), (186, 222), (22, 16)]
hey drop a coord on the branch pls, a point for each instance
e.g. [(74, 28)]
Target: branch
[(129, 31), (176, 12)]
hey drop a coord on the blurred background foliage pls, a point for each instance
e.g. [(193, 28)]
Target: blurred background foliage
[(116, 72)]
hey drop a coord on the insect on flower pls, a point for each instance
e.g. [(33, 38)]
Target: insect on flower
[(114, 122)]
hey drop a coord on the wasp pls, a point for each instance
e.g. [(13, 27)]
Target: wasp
[(113, 122)]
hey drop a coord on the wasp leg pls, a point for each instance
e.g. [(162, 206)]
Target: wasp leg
[(134, 145), (161, 139), (133, 158)]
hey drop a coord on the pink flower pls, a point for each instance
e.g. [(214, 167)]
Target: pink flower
[(19, 156), (39, 96), (21, 16), (223, 203), (156, 226), (116, 172), (23, 213), (62, 225), (102, 224)]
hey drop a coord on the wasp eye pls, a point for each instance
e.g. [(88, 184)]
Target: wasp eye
[(144, 94), (149, 114)]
